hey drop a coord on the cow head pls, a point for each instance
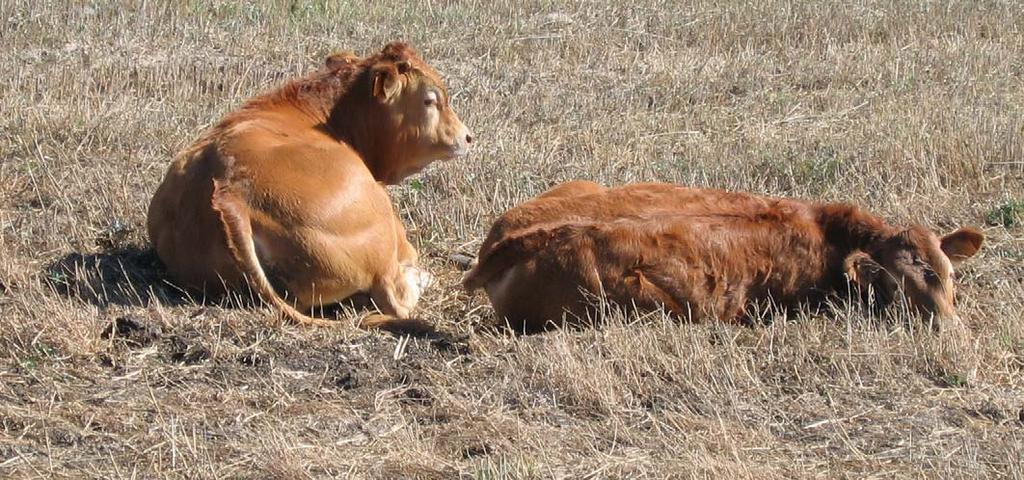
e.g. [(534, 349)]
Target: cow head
[(417, 112), (919, 264)]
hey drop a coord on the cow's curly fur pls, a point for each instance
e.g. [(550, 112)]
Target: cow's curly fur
[(701, 253)]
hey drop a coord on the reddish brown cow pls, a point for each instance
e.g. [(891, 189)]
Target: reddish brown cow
[(287, 191), (703, 253)]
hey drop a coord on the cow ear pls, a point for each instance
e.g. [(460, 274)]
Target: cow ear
[(962, 244), (386, 82), (862, 269)]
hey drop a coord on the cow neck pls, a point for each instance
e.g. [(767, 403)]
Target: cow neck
[(848, 227), (360, 121), (311, 97)]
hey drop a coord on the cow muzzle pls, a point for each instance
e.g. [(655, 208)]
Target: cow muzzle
[(463, 139)]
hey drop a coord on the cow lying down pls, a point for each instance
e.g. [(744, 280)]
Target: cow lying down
[(284, 197), (702, 253)]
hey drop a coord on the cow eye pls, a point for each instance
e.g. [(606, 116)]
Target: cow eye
[(431, 99)]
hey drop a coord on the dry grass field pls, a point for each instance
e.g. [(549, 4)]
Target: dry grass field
[(914, 109)]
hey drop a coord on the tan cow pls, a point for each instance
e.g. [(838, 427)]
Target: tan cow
[(285, 198), (703, 253)]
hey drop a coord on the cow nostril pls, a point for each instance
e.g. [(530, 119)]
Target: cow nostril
[(469, 138)]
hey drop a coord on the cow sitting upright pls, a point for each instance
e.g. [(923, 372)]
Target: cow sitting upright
[(284, 196), (703, 253)]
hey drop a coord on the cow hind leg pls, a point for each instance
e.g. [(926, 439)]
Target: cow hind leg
[(526, 300), (395, 298), (399, 295), (242, 246)]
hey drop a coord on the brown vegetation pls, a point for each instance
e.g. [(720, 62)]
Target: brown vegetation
[(817, 100)]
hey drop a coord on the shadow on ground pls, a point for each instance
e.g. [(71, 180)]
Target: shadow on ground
[(135, 277), (129, 276)]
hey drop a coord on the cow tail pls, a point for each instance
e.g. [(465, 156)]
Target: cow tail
[(390, 323), (238, 231)]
